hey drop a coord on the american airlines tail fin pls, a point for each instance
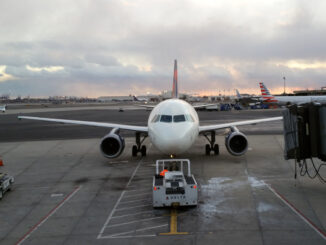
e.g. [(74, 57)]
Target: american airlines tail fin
[(175, 81), (267, 96), (238, 94)]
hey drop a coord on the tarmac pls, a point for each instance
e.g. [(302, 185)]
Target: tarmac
[(66, 192)]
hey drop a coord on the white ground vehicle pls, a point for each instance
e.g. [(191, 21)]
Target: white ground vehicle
[(5, 183), (174, 187)]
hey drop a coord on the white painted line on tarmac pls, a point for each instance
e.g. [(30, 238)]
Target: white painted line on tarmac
[(138, 190), (134, 221), (133, 214), (299, 213), (45, 218), (139, 206), (141, 194), (118, 235), (137, 200), (117, 203)]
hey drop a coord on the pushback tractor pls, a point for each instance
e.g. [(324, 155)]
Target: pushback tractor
[(173, 184)]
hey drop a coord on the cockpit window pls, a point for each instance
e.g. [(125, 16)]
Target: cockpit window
[(156, 118), (189, 118), (179, 118), (166, 118)]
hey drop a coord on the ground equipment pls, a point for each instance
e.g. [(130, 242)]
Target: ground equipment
[(173, 184), (5, 183)]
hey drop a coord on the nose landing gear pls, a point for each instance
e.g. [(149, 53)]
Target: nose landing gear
[(139, 147), (211, 146)]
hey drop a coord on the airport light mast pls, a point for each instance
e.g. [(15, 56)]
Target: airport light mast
[(284, 85)]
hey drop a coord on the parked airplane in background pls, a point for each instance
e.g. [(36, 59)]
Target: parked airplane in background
[(287, 100), (3, 108), (173, 126)]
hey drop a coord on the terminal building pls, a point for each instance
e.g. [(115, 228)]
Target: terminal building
[(321, 91)]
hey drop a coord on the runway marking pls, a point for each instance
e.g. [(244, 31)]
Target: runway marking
[(126, 215), (132, 211), (45, 218), (299, 213), (134, 221), (292, 207), (141, 194), (118, 235), (139, 206), (117, 203), (174, 224), (137, 190), (137, 200)]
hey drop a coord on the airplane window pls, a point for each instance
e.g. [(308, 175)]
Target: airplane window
[(179, 118), (189, 118), (156, 118), (166, 118)]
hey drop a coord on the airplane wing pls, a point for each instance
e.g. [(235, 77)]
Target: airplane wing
[(201, 106), (234, 124), (88, 123)]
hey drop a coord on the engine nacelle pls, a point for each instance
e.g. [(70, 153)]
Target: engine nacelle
[(236, 143), (112, 144)]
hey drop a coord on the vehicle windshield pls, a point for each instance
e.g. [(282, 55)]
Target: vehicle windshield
[(166, 118), (179, 118)]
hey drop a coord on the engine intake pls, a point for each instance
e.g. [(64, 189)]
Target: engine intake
[(236, 143), (112, 144)]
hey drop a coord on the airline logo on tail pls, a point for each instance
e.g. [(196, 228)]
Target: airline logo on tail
[(267, 96), (175, 81)]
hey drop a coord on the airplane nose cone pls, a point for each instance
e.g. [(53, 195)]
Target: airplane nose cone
[(173, 140)]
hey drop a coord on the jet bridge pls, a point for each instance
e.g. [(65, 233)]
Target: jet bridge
[(305, 136)]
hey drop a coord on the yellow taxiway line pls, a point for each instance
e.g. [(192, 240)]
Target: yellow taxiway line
[(174, 224)]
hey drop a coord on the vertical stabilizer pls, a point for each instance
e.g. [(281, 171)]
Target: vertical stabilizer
[(267, 96), (238, 94), (175, 81)]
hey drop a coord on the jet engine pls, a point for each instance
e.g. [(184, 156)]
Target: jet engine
[(112, 144), (236, 142)]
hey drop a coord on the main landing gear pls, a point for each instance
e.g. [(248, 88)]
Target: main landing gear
[(211, 146), (138, 147)]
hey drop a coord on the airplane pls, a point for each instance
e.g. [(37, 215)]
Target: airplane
[(287, 100), (173, 127), (3, 108)]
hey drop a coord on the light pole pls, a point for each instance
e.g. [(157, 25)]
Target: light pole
[(284, 85)]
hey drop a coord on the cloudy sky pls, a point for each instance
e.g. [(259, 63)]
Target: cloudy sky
[(115, 47)]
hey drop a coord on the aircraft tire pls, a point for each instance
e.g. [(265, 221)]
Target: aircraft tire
[(208, 149), (216, 149), (134, 150), (143, 150)]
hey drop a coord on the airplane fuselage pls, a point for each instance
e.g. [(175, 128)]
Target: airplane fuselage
[(173, 126), (283, 100)]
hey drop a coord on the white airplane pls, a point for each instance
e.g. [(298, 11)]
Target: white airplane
[(287, 100), (3, 108), (173, 127)]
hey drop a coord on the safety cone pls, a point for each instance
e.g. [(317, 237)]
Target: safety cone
[(1, 162)]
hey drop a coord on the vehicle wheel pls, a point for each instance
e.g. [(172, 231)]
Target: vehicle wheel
[(208, 149), (134, 150), (216, 149), (143, 151)]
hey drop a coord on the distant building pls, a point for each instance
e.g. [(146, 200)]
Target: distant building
[(321, 91), (115, 98)]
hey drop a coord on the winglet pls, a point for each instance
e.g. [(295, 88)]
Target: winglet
[(175, 81)]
